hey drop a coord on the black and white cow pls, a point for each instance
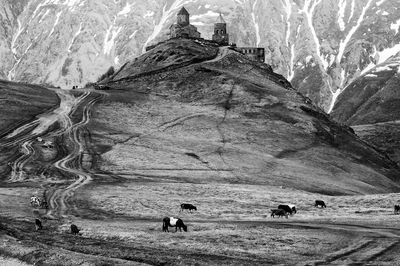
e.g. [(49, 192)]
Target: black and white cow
[(173, 222), (279, 213), (187, 206), (35, 201), (38, 225), (287, 208), (320, 203), (74, 229), (293, 207), (396, 209)]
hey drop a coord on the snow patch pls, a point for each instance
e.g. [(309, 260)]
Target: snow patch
[(343, 43), (109, 39), (382, 68), (388, 52), (44, 16), (384, 13), (207, 6), (395, 26), (55, 23), (342, 9), (15, 37), (74, 38), (125, 11), (291, 68), (308, 10), (72, 3), (11, 73), (256, 26), (148, 14), (335, 95), (380, 2), (371, 75), (133, 34), (353, 5), (288, 9)]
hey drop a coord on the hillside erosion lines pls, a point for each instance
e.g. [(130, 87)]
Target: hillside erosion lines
[(72, 162)]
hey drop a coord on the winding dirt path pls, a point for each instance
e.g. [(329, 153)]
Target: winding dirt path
[(72, 164), (69, 131)]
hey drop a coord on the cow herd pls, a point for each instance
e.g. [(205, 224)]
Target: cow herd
[(283, 210), (289, 209)]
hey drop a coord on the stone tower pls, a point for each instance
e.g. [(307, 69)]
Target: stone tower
[(220, 35), (183, 17), (182, 28)]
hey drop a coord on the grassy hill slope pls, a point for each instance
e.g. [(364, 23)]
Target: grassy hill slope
[(227, 120)]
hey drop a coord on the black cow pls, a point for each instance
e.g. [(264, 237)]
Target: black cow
[(187, 206), (74, 229), (396, 209), (286, 208), (320, 203), (173, 222), (279, 213), (38, 225)]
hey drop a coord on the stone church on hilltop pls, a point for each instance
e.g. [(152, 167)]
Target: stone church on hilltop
[(183, 28)]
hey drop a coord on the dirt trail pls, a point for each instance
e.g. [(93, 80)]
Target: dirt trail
[(69, 131), (69, 164)]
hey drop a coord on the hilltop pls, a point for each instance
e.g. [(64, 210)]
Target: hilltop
[(175, 114)]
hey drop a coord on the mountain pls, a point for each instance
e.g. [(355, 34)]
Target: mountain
[(371, 106), (188, 110), (319, 46), (372, 98)]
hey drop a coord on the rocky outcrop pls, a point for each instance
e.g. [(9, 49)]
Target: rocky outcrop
[(319, 46), (227, 120)]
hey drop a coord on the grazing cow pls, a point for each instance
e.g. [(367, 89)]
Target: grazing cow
[(293, 207), (279, 213), (286, 208), (320, 203), (38, 225), (396, 209), (74, 229), (173, 222), (35, 201), (187, 206)]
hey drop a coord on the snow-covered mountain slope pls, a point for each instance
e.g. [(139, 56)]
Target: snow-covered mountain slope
[(319, 45)]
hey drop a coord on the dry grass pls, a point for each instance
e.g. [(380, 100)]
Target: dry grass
[(235, 202)]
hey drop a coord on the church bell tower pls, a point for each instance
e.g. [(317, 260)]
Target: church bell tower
[(220, 35)]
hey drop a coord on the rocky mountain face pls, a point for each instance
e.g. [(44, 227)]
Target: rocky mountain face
[(371, 98), (371, 105), (320, 46), (188, 111)]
